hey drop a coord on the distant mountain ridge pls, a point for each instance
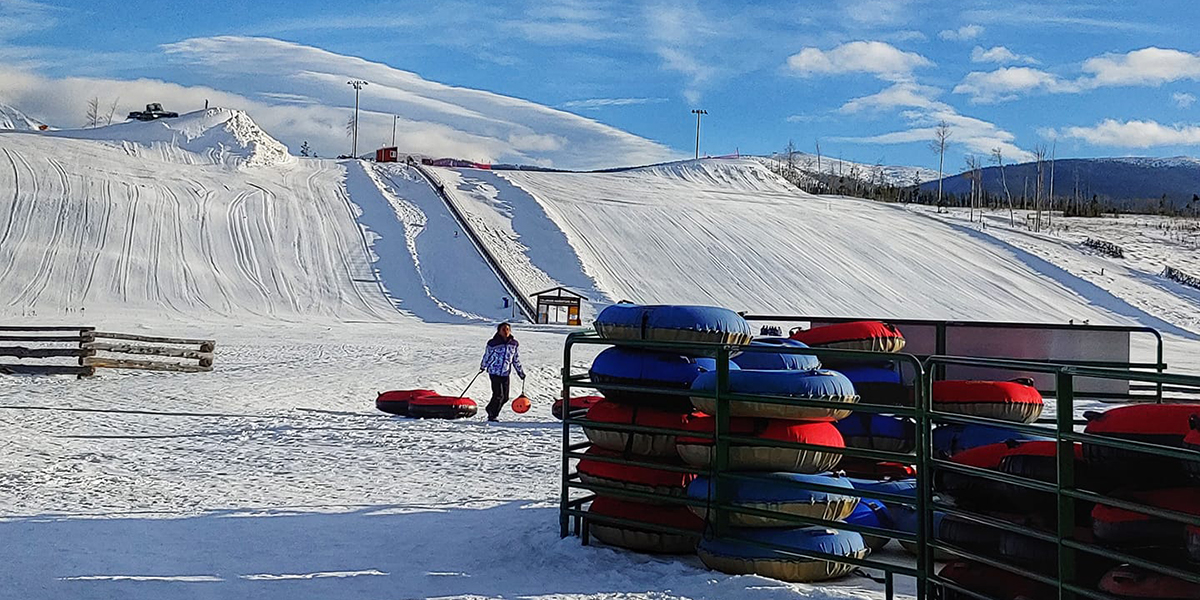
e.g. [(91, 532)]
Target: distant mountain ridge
[(1123, 181)]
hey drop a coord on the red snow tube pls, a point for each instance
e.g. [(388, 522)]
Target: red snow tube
[(1038, 460), (441, 407), (992, 582), (642, 540), (1004, 400), (874, 336), (1132, 582), (396, 401), (630, 477), (581, 403), (1192, 442), (644, 444), (860, 467), (1161, 424), (699, 451), (1118, 526), (968, 490)]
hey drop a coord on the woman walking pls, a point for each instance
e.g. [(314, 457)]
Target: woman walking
[(500, 358)]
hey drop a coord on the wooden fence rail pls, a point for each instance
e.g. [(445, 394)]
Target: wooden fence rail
[(93, 349), (1105, 247), (1176, 275)]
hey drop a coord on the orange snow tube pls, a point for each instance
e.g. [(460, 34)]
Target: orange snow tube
[(630, 477), (874, 336), (396, 401)]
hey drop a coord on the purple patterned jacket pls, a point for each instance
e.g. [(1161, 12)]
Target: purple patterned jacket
[(501, 357)]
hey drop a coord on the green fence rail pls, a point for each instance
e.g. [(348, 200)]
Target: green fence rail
[(924, 541)]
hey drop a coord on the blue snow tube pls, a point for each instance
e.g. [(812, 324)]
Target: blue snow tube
[(781, 492), (878, 432), (745, 558), (668, 323), (774, 361), (817, 385), (878, 384), (872, 513), (951, 439), (629, 366)]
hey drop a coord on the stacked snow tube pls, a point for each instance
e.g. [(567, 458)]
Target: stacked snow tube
[(628, 366), (878, 384), (1135, 583), (699, 451), (878, 432), (576, 404), (873, 336), (871, 513), (952, 438), (441, 407), (738, 557), (1040, 556), (396, 401), (641, 444), (1126, 528), (776, 361), (666, 323), (991, 582), (594, 471), (1038, 460), (778, 492), (885, 515), (642, 539), (969, 491), (1160, 424), (1013, 401), (829, 386), (882, 471)]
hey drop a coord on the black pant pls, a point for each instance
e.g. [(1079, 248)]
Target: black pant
[(499, 395)]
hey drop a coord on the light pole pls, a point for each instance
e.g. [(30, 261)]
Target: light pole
[(698, 112), (394, 117), (357, 84)]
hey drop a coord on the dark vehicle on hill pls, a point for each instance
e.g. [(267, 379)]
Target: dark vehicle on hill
[(153, 111)]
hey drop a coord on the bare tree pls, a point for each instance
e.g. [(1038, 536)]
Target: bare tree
[(350, 126), (818, 142), (1039, 153), (998, 158), (973, 175), (112, 111), (1049, 213), (941, 135), (791, 159), (92, 118)]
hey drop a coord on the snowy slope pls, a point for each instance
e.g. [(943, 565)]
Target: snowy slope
[(892, 174), (218, 136), (13, 119)]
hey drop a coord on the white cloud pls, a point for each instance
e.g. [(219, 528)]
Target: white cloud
[(301, 94), (962, 34), (924, 113), (900, 95), (1007, 83), (1000, 54), (21, 17), (1134, 134), (595, 103), (1148, 66), (1183, 99), (876, 58)]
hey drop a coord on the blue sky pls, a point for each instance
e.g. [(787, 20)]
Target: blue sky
[(868, 78)]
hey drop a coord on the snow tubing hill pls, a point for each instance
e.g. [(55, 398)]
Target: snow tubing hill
[(776, 361), (1003, 400), (1161, 424), (1137, 584), (952, 438), (642, 444), (741, 558), (632, 477), (628, 366), (779, 492), (878, 432), (699, 451), (1120, 527), (666, 323), (396, 401), (812, 385), (877, 385), (579, 403), (441, 407), (873, 336), (643, 540)]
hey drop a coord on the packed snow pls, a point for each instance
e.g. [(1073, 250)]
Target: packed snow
[(325, 282)]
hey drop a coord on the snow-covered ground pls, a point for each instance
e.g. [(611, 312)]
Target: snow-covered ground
[(325, 282)]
